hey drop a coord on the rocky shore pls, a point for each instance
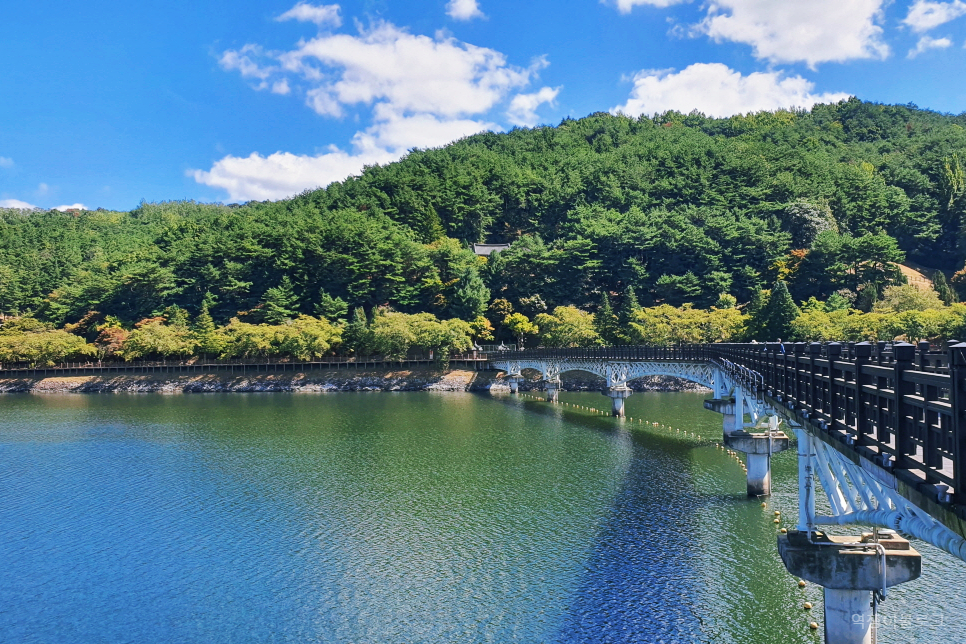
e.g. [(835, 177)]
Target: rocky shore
[(424, 379)]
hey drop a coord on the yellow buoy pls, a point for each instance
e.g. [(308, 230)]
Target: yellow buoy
[(777, 513), (777, 521), (784, 530), (764, 504), (801, 583), (813, 626), (808, 605)]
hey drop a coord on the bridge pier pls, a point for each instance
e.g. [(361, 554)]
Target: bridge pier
[(618, 395), (514, 380), (553, 388), (759, 446), (850, 569), (725, 407)]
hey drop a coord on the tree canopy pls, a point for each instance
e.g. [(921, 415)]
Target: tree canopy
[(605, 213)]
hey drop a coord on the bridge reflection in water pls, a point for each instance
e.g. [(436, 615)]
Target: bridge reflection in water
[(880, 428)]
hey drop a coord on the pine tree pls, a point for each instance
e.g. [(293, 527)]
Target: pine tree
[(942, 288), (778, 314), (629, 306), (627, 313), (605, 322), (280, 302), (754, 310), (356, 335), (204, 329), (836, 302), (868, 296), (471, 296), (431, 227), (177, 316), (333, 309)]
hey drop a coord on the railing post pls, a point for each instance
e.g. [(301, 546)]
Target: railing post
[(904, 354), (832, 351), (923, 355), (863, 355), (957, 400), (814, 350)]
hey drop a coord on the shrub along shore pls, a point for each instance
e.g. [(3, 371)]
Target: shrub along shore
[(903, 312)]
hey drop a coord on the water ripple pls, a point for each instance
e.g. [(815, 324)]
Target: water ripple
[(392, 518)]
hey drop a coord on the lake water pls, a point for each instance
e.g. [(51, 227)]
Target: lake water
[(401, 518)]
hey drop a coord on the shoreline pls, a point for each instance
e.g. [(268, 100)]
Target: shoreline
[(320, 381)]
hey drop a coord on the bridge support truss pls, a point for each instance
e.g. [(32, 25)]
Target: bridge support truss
[(732, 399)]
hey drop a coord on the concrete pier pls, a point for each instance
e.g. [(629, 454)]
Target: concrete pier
[(725, 407), (759, 475), (618, 395), (514, 384), (759, 446), (553, 388), (848, 617), (849, 569)]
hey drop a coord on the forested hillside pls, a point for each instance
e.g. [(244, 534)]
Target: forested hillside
[(675, 209)]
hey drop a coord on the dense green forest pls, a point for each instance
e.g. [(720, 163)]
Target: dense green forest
[(677, 210)]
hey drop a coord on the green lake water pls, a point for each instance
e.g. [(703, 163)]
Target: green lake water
[(406, 517)]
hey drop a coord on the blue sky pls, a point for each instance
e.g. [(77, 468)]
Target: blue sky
[(107, 104)]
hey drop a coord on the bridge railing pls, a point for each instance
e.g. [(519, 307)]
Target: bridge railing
[(897, 404), (619, 352), (901, 405)]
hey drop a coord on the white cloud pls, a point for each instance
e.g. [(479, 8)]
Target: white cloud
[(283, 174), (325, 14), (421, 92), (43, 189), (399, 133), (523, 107), (925, 15), (463, 9), (412, 73), (16, 203), (281, 87), (625, 6), (810, 31), (6, 162), (717, 90), (926, 43), (76, 206), (244, 61), (278, 175)]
